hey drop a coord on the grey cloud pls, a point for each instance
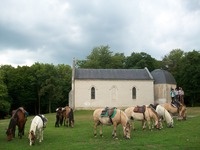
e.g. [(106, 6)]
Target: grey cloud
[(59, 30)]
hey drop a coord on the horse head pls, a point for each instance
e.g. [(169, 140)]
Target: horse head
[(182, 112), (72, 123), (155, 116), (9, 134), (11, 129), (32, 137), (170, 125)]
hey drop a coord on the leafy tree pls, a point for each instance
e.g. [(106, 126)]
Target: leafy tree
[(100, 57), (4, 101), (189, 77), (171, 62), (117, 61), (140, 60), (53, 84)]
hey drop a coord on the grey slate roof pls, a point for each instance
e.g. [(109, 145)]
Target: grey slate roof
[(113, 74), (163, 77)]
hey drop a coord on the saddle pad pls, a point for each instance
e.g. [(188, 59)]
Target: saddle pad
[(105, 113)]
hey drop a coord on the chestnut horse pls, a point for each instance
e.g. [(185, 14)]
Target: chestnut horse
[(119, 118), (181, 111), (147, 116), (19, 118), (68, 116)]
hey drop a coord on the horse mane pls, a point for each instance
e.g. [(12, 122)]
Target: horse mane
[(14, 119), (15, 113), (154, 111)]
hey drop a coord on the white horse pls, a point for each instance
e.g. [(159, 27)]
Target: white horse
[(36, 129), (165, 115)]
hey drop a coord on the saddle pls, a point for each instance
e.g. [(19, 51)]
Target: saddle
[(140, 109), (109, 112), (176, 104), (44, 120)]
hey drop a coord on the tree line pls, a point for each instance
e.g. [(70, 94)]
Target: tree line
[(41, 88)]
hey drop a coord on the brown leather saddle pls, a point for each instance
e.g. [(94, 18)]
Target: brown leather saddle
[(140, 109)]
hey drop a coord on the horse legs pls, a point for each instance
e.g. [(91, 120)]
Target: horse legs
[(67, 122), (40, 135), (143, 124), (132, 124), (149, 124), (114, 133), (100, 129), (23, 128), (20, 130), (95, 129), (64, 121), (14, 131), (57, 121)]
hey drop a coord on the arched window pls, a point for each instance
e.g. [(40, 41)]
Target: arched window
[(92, 93), (133, 93)]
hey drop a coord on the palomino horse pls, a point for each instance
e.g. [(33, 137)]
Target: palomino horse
[(19, 118), (36, 129), (115, 118), (163, 114), (143, 113), (59, 117), (181, 111), (68, 116)]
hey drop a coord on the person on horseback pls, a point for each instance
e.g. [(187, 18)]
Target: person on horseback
[(181, 95), (172, 94)]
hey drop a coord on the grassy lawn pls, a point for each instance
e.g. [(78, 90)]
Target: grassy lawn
[(184, 136)]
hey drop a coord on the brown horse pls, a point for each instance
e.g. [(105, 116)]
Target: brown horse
[(19, 118), (181, 111), (147, 115), (59, 117), (119, 118), (68, 116)]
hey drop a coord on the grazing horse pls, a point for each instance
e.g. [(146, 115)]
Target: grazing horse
[(68, 116), (115, 117), (181, 111), (37, 128), (59, 117), (143, 113), (163, 114), (19, 118)]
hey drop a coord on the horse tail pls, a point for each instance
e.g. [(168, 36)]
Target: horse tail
[(71, 115), (15, 114)]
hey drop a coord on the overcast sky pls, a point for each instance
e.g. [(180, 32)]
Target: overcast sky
[(56, 31)]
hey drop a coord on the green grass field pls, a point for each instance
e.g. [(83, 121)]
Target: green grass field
[(184, 136)]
